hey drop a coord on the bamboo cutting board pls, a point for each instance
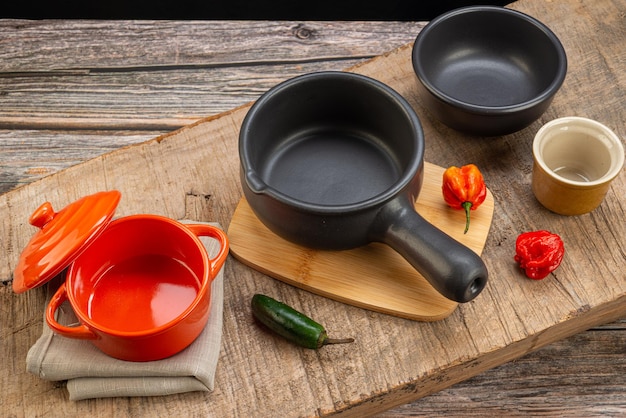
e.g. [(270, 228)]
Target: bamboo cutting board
[(374, 277)]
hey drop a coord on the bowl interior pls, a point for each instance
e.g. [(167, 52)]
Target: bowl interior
[(488, 56)]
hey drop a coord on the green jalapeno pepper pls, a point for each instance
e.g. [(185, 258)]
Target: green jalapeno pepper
[(291, 324)]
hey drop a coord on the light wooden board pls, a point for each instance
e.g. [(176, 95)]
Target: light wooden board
[(374, 277)]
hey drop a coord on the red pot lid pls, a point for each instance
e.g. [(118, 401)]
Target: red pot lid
[(62, 237)]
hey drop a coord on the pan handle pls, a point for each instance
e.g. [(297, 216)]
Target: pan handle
[(453, 269)]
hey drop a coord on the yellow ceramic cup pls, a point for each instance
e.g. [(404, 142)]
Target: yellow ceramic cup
[(575, 160)]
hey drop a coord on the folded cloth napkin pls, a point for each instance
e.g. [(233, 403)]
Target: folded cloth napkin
[(92, 374)]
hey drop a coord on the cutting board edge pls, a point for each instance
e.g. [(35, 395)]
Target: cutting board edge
[(371, 307)]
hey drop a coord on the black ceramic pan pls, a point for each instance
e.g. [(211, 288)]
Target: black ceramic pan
[(334, 160)]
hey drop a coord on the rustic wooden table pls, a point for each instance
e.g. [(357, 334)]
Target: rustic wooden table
[(71, 91)]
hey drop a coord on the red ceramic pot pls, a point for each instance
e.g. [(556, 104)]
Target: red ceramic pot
[(140, 285)]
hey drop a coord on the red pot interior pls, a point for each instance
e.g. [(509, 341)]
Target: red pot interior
[(142, 273)]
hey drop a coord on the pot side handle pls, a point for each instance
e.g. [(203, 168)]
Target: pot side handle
[(453, 269), (80, 332), (202, 230)]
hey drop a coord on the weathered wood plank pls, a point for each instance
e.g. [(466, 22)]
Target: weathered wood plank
[(83, 47), (581, 376), (248, 382), (163, 99), (28, 155)]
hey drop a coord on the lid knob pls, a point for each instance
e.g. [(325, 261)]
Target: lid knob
[(42, 215)]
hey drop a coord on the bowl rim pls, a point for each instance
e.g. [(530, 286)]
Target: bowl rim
[(545, 95), (580, 124)]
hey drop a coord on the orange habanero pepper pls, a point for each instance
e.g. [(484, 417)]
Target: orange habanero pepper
[(464, 188)]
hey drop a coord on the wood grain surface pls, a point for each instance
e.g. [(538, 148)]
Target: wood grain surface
[(73, 90)]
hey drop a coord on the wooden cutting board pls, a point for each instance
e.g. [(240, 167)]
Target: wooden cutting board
[(193, 173), (374, 277)]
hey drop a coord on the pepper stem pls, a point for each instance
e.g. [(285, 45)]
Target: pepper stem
[(467, 206), (323, 340), (338, 341)]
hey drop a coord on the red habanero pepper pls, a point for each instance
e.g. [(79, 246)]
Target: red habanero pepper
[(464, 188), (539, 253)]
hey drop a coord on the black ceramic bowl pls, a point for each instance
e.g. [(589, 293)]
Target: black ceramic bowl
[(487, 70)]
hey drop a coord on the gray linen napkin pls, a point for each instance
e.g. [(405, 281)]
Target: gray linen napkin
[(93, 374)]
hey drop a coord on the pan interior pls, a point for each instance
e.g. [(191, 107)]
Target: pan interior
[(331, 167)]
